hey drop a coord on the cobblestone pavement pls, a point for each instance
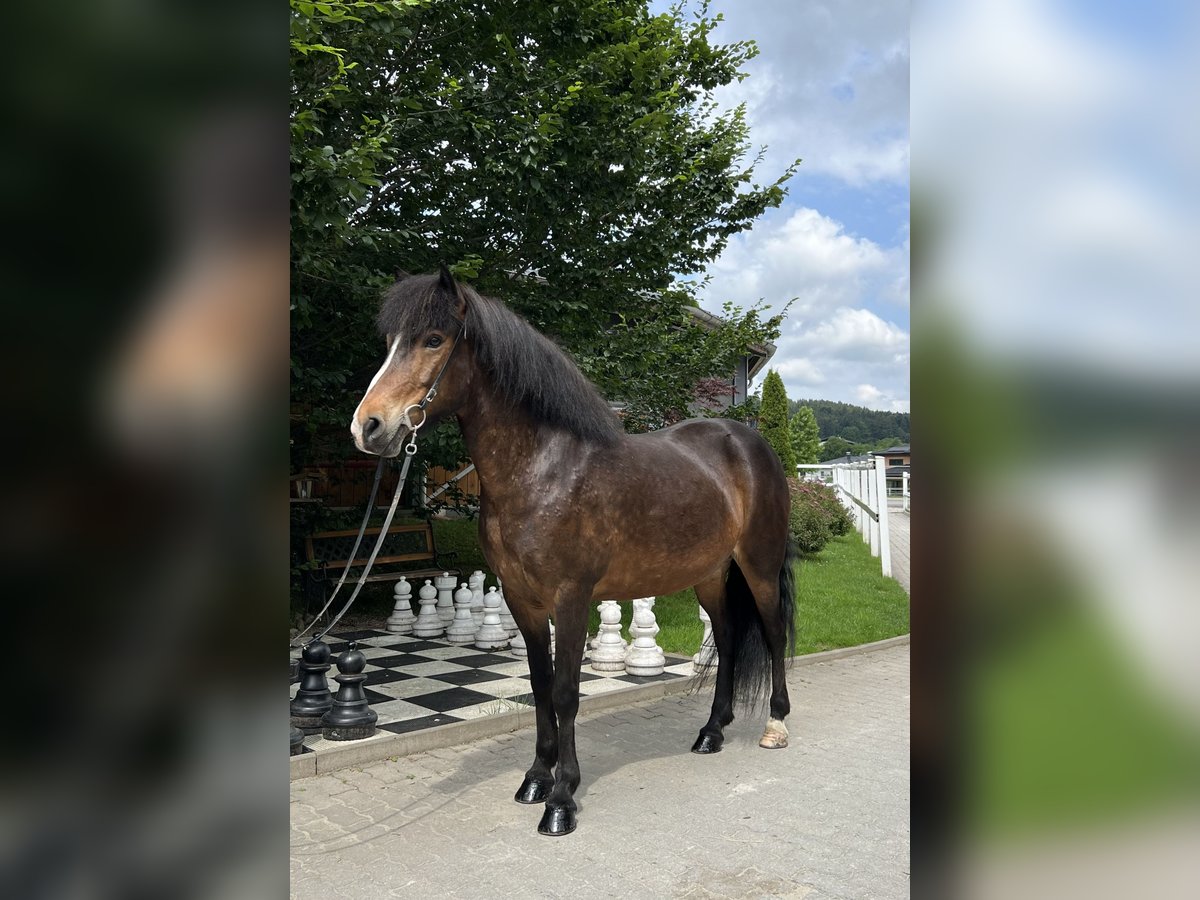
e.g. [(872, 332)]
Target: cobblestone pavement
[(825, 818)]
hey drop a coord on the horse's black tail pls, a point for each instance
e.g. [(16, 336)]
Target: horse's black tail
[(752, 651)]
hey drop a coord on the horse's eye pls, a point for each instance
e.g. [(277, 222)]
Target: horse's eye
[(433, 340)]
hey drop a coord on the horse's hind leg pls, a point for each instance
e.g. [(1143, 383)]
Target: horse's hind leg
[(711, 594), (540, 778), (763, 582)]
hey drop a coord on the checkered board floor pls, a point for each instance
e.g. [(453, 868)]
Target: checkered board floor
[(414, 683)]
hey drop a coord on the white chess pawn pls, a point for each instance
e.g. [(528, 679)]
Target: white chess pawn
[(707, 654), (402, 618), (518, 646), (445, 596), (644, 656), (462, 629), (429, 623), (506, 619), (608, 652), (491, 634), (475, 582)]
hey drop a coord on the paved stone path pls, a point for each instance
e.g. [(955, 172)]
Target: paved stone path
[(898, 530), (825, 818)]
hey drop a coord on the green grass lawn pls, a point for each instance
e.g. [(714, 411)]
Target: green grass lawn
[(841, 598)]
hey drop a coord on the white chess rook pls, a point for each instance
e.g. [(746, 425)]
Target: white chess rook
[(491, 634), (429, 623), (401, 620), (462, 629), (644, 656), (608, 650), (445, 596)]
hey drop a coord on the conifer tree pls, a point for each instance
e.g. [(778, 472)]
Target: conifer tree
[(773, 421), (806, 439)]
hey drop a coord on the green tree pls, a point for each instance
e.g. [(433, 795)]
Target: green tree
[(773, 421), (569, 158), (806, 441), (837, 447)]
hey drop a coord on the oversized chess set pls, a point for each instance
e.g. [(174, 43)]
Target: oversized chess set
[(459, 657)]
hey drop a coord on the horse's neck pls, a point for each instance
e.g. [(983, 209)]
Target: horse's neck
[(503, 442)]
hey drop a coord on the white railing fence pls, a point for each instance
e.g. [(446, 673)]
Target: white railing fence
[(904, 489), (862, 487)]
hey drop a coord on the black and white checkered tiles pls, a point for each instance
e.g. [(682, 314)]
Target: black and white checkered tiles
[(414, 683)]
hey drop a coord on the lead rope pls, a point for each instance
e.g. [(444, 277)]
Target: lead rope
[(410, 450), (362, 530)]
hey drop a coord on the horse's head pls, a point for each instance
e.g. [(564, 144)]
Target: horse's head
[(422, 321)]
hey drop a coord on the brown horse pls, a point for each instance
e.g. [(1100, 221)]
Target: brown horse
[(573, 510)]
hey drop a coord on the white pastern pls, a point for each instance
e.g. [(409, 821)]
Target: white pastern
[(776, 735)]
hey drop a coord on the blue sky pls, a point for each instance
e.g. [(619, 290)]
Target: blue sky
[(830, 85)]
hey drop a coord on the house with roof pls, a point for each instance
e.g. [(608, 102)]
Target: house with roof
[(897, 459)]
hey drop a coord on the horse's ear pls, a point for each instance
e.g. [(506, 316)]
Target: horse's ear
[(401, 275), (445, 278)]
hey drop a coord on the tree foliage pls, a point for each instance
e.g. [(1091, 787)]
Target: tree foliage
[(566, 157), (806, 443), (857, 424), (773, 421)]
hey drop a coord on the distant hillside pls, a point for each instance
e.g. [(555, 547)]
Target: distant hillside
[(856, 424)]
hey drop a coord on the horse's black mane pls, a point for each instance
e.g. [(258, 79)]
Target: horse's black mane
[(524, 365)]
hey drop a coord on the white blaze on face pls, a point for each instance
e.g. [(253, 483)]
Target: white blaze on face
[(355, 427)]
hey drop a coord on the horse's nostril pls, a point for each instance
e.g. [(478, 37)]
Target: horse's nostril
[(371, 426)]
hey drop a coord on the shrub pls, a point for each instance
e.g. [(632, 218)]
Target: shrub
[(817, 515)]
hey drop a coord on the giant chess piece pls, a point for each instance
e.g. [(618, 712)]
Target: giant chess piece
[(402, 618), (644, 656), (518, 646), (429, 623), (351, 718), (491, 634), (706, 656), (608, 654), (462, 629), (445, 596), (506, 620), (297, 741), (475, 582), (313, 699)]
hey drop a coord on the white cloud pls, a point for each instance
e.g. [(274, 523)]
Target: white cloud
[(856, 335), (1065, 231), (807, 256), (831, 341), (830, 85)]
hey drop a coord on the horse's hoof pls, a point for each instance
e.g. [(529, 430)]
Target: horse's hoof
[(708, 743), (533, 790), (557, 821), (776, 735)]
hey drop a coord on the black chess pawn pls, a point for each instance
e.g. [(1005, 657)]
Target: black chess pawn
[(351, 718), (297, 741), (313, 699)]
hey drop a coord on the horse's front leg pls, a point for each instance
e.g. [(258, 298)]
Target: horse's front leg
[(535, 627), (570, 619)]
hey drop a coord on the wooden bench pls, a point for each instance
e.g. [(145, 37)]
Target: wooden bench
[(403, 550)]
